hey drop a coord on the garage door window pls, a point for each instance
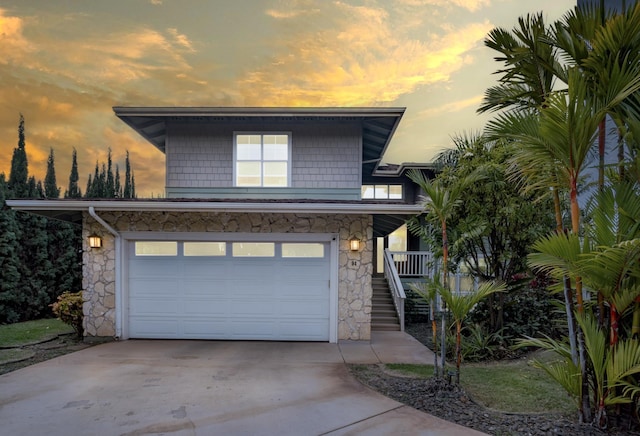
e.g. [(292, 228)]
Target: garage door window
[(156, 248), (254, 249), (302, 250), (205, 248)]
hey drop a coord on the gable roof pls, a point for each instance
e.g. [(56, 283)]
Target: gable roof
[(378, 124)]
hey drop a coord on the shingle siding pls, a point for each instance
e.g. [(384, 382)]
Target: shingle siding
[(324, 155)]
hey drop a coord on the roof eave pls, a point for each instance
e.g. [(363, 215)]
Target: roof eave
[(203, 206)]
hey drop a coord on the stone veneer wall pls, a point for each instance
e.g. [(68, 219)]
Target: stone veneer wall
[(354, 288)]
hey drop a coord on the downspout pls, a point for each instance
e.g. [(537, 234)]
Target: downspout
[(118, 259)]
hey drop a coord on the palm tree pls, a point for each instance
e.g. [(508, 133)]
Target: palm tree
[(439, 203), (528, 77), (428, 291), (603, 44), (530, 66), (562, 134), (460, 305)]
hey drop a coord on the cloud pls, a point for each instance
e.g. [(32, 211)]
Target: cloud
[(64, 70), (454, 106), (470, 5), (13, 44), (362, 56)]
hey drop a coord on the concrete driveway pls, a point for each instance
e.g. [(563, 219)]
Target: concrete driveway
[(143, 387)]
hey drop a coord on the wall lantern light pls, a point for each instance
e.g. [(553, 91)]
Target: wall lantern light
[(354, 244), (95, 241)]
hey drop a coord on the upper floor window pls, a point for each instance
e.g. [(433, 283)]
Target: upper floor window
[(382, 192), (262, 159)]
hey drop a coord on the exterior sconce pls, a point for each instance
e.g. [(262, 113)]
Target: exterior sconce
[(95, 241), (354, 244)]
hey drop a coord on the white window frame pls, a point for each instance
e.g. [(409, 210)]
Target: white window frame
[(262, 134), (388, 187)]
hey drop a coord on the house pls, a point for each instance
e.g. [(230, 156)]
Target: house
[(268, 231)]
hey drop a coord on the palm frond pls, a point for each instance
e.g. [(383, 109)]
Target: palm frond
[(556, 254)]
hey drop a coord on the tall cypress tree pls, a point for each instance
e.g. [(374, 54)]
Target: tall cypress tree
[(39, 258), (117, 188), (18, 176), (11, 300), (133, 185), (51, 189), (127, 178), (109, 185), (89, 189), (73, 191)]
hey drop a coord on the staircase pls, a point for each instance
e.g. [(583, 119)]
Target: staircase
[(383, 313)]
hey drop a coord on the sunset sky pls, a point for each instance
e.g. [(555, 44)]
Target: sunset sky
[(64, 64)]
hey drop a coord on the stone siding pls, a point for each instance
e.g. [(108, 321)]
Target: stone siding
[(354, 269)]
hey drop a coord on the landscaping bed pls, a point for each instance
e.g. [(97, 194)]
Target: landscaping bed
[(30, 342), (453, 403), (19, 357)]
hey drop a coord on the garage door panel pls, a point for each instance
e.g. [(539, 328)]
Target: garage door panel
[(204, 288), (256, 307), (155, 328), (155, 306), (301, 329), (205, 307), (302, 289), (252, 328), (212, 268), (254, 267), (150, 287), (249, 289), (155, 267), (206, 328), (226, 297), (295, 308)]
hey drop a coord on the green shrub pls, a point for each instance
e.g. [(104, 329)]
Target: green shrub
[(528, 311), (68, 309)]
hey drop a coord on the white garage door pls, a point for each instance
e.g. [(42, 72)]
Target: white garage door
[(229, 290)]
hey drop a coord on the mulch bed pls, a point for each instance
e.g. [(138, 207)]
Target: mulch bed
[(450, 402)]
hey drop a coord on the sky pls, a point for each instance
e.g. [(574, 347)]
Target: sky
[(64, 64)]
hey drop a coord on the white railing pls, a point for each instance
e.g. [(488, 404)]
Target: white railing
[(420, 264), (413, 263), (395, 285)]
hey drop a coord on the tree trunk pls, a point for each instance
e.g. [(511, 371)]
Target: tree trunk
[(568, 294), (458, 350), (585, 403), (434, 332), (445, 283), (602, 136)]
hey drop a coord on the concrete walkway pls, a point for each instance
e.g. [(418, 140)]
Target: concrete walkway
[(142, 387)]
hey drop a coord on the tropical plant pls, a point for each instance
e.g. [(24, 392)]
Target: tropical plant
[(439, 203), (428, 291), (460, 305), (495, 222)]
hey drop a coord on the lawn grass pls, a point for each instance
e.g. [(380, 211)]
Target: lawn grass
[(515, 387), (22, 333)]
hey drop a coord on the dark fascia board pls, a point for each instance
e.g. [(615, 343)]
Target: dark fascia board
[(185, 205), (121, 111), (399, 170)]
